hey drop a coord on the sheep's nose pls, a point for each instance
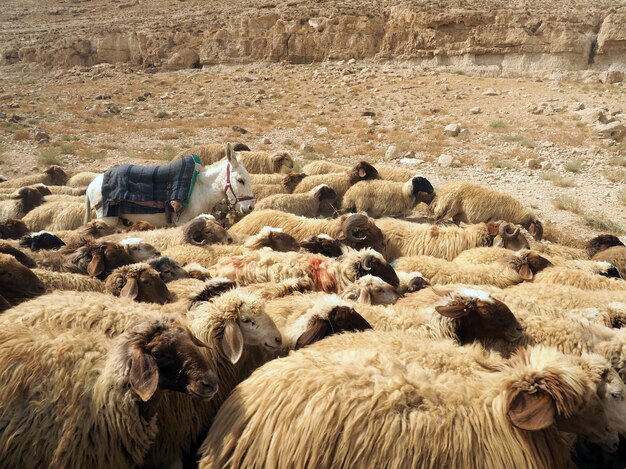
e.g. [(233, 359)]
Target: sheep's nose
[(519, 329), (207, 384), (279, 340)]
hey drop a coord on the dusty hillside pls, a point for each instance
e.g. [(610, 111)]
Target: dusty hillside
[(376, 89), (490, 36)]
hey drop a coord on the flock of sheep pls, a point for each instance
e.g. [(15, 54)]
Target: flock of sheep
[(358, 317)]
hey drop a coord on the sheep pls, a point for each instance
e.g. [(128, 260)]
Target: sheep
[(64, 281), (339, 182), (471, 203), (323, 167), (141, 226), (94, 258), (81, 179), (286, 185), (138, 282), (329, 315), (306, 205), (22, 201), (601, 243), (327, 274), (13, 229), (579, 278), (18, 282), (386, 410), (379, 198), (168, 269), (273, 238), (108, 392), (195, 270), (526, 262), (355, 230), (53, 176), (6, 192), (93, 230), (198, 232), (55, 216), (324, 245), (616, 255), (261, 162), (505, 271), (42, 240), (272, 290), (65, 190), (446, 242), (211, 153)]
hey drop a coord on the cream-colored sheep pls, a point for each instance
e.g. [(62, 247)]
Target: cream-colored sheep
[(55, 216), (307, 204), (262, 162), (53, 176), (339, 182), (82, 179), (471, 203), (379, 198)]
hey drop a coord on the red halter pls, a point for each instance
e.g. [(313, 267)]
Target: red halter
[(229, 187)]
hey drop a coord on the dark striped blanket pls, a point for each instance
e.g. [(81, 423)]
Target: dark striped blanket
[(136, 189)]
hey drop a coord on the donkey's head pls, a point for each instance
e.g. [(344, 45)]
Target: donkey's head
[(238, 184)]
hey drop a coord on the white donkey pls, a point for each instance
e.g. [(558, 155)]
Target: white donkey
[(227, 179)]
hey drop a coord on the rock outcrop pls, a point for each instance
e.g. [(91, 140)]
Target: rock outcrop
[(533, 37)]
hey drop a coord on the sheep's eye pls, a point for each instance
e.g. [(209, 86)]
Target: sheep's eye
[(157, 354), (241, 181), (617, 394), (244, 319)]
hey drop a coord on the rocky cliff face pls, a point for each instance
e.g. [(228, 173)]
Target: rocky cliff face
[(174, 35)]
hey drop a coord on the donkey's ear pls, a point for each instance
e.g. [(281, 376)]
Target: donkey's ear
[(230, 156)]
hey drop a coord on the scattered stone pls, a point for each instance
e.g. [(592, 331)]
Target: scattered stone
[(307, 148), (371, 122), (15, 118), (545, 165), (140, 98), (368, 114), (266, 141), (391, 152), (533, 163), (186, 58), (241, 130), (3, 178), (2, 115), (475, 110), (612, 76), (113, 109), (613, 130), (445, 161), (577, 107), (452, 130), (41, 135), (409, 155), (592, 116), (491, 92), (14, 105), (103, 96)]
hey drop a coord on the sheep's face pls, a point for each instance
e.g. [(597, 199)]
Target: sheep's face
[(147, 287), (291, 181), (324, 245), (258, 329), (324, 193), (282, 162), (99, 259), (371, 290), (375, 265), (141, 252), (43, 189), (142, 226), (98, 229), (172, 359), (481, 317), (42, 241), (360, 231), (601, 243), (590, 421), (506, 235), (275, 240), (417, 283), (29, 198), (339, 319), (422, 190), (612, 393), (363, 171), (168, 269), (13, 229), (536, 263), (56, 175), (18, 281)]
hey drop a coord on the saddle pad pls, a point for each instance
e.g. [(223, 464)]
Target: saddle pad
[(126, 187)]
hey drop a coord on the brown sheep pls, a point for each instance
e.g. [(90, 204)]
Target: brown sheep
[(138, 282), (20, 203), (53, 176), (616, 255), (13, 229), (18, 282)]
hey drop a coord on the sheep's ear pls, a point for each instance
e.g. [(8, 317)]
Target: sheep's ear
[(316, 331), (144, 374), (498, 242), (130, 290), (362, 172), (232, 341), (453, 309), (96, 266), (230, 156), (365, 297), (277, 157), (531, 411), (525, 272)]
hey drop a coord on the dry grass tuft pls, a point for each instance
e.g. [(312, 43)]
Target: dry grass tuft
[(49, 156), (573, 166), (615, 175), (21, 135), (556, 234), (621, 196), (563, 202), (557, 179), (601, 223)]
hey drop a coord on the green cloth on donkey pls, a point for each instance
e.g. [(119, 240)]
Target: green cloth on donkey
[(133, 189)]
